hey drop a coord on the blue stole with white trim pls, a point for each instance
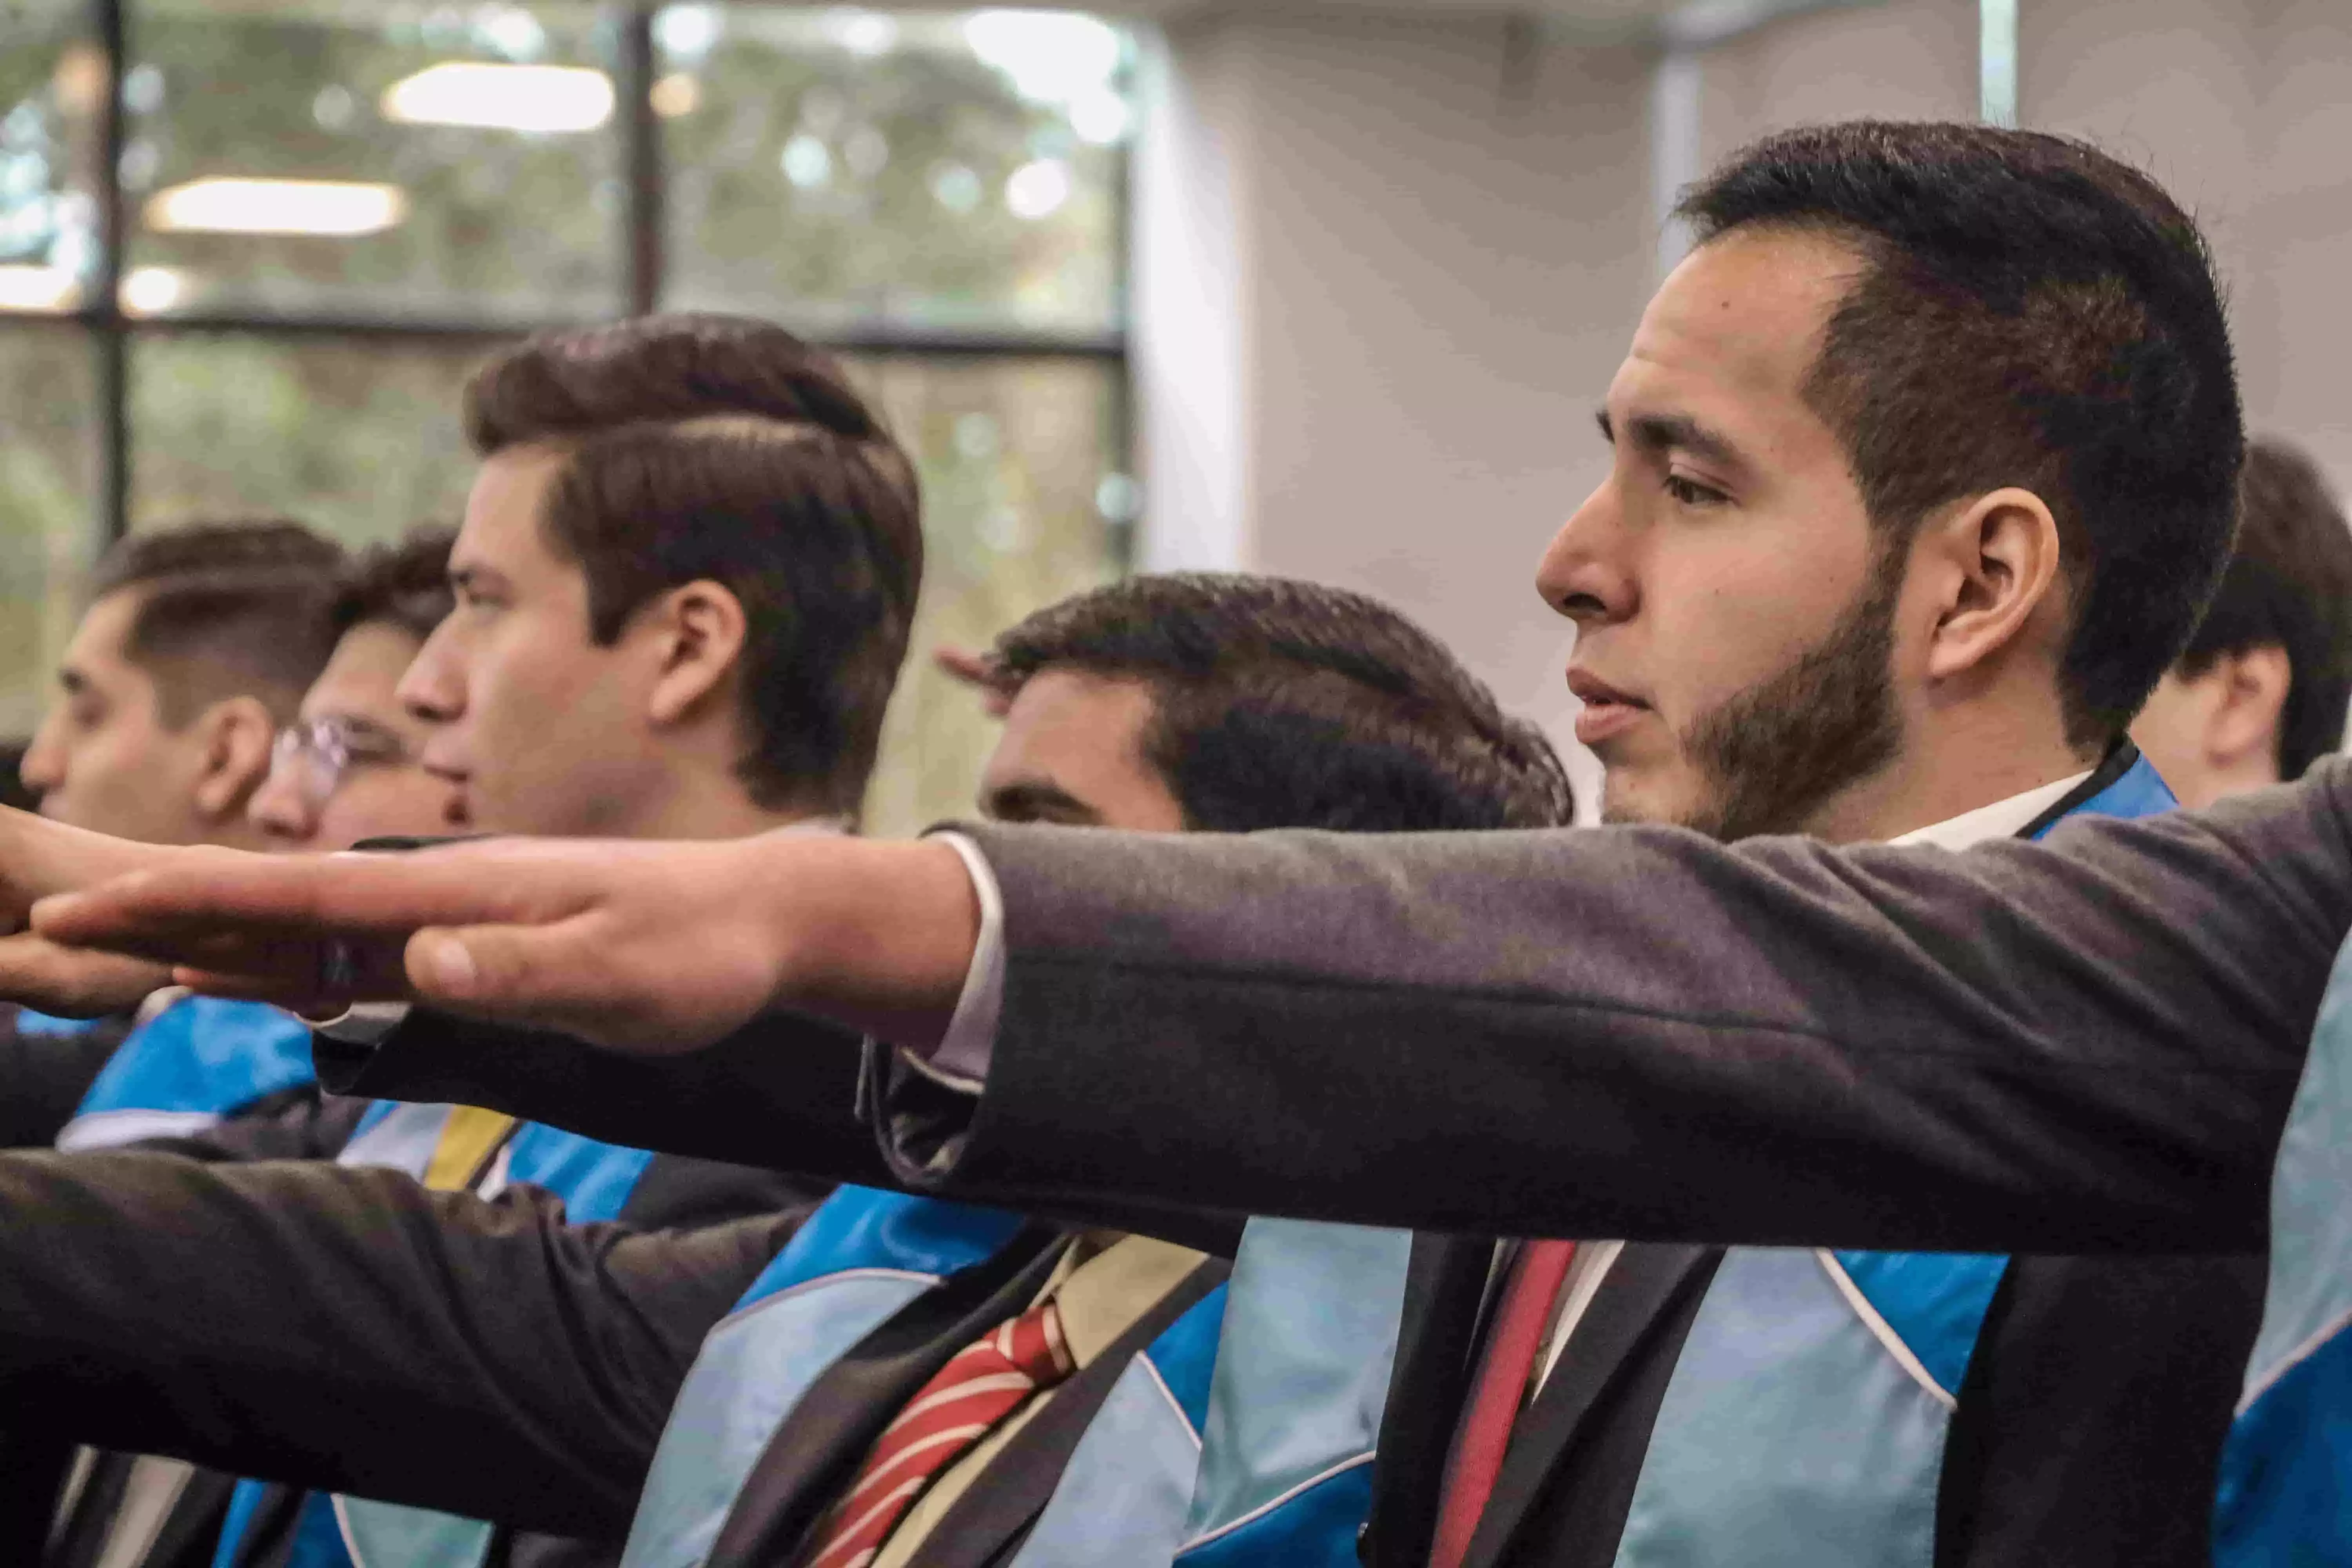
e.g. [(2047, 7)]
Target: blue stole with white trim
[(861, 1258), (1804, 1422), (2286, 1471), (594, 1181), (1124, 1495), (200, 1060)]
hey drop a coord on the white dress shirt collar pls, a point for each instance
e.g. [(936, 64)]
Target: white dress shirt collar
[(2001, 819)]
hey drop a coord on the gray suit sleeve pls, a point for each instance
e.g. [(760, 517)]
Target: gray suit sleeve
[(347, 1330), (2084, 1046)]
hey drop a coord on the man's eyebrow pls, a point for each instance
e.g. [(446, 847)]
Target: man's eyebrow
[(74, 681), (1657, 432), (475, 579)]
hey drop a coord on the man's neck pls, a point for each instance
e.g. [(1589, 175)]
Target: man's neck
[(1961, 770), (696, 805)]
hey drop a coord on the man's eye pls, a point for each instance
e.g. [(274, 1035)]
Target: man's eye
[(1690, 492)]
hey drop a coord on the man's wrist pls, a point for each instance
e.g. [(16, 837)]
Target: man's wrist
[(873, 935)]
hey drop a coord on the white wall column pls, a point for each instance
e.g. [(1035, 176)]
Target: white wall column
[(1440, 235)]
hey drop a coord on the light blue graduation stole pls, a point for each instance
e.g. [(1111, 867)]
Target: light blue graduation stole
[(861, 1258), (2286, 1473), (198, 1060), (1128, 1490), (1803, 1425), (864, 1257), (1293, 1417), (594, 1181), (1805, 1421)]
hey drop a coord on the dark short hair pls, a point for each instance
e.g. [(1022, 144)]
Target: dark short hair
[(719, 448), (2289, 586), (226, 608), (2031, 313), (1278, 703), (404, 582)]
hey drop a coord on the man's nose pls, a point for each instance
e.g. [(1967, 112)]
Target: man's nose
[(429, 689), (42, 767), (282, 810), (1584, 575)]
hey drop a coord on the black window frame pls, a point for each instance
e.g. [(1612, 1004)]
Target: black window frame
[(641, 231)]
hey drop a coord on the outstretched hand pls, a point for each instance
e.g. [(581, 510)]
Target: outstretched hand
[(649, 947), (38, 858)]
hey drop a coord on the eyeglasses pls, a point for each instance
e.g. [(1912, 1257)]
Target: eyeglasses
[(316, 753)]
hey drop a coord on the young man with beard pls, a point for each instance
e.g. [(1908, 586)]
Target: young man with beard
[(1925, 462), (2260, 691), (1162, 704)]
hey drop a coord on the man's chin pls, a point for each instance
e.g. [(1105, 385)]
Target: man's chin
[(1633, 797)]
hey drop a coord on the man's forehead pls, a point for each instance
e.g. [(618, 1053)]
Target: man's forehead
[(501, 525), (1745, 313), (100, 640), (1064, 720), (362, 676)]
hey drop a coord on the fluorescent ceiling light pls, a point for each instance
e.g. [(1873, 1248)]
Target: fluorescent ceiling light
[(151, 290), (24, 288), (501, 97), (341, 207), (675, 95)]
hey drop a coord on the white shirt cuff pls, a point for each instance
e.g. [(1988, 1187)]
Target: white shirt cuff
[(361, 1023), (961, 1058)]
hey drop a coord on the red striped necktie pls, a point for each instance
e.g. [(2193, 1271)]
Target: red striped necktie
[(963, 1402), (1522, 1316)]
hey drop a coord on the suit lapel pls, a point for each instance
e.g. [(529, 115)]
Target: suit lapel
[(1445, 1286), (998, 1511), (1643, 1289), (820, 1444)]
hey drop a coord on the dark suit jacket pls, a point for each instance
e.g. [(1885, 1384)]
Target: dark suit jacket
[(45, 1075), (784, 1093), (2072, 1443), (2089, 1426), (2010, 1050), (347, 1330), (2086, 1046)]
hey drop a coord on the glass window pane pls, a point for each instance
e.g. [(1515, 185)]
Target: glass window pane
[(52, 88), (1019, 458), (359, 438), (48, 521), (335, 156), (835, 166)]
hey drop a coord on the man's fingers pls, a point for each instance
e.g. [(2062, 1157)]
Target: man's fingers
[(167, 913), (545, 976), (978, 671), (70, 981)]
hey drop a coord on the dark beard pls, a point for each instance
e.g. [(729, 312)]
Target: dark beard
[(1773, 755)]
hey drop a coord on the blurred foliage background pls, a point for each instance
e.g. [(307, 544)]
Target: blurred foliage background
[(939, 194)]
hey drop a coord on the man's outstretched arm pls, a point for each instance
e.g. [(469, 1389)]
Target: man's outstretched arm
[(307, 1323), (1630, 1032), (2074, 1047)]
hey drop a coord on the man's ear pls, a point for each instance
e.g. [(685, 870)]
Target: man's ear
[(699, 631), (2250, 704), (2000, 557), (235, 736)]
